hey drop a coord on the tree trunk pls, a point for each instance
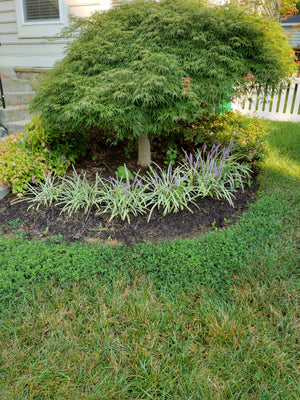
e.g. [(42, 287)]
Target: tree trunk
[(144, 153)]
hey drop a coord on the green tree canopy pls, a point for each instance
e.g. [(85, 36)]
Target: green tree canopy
[(143, 67)]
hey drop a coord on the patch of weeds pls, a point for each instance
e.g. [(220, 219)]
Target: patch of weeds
[(15, 223), (100, 229), (213, 225)]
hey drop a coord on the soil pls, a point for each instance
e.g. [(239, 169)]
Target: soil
[(49, 221)]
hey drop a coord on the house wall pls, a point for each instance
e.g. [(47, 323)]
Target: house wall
[(24, 45), (293, 33)]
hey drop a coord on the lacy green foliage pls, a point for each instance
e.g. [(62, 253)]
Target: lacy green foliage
[(60, 142), (249, 134), (145, 66), (21, 163)]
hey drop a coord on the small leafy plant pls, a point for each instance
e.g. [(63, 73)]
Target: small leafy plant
[(123, 172), (171, 156)]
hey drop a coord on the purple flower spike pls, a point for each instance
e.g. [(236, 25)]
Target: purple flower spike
[(197, 161), (230, 145), (134, 181), (171, 170), (211, 165), (140, 182), (220, 167), (202, 166), (191, 158), (216, 150), (185, 156), (215, 169), (176, 181), (204, 148), (125, 188), (34, 181)]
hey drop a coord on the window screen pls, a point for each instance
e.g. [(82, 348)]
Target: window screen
[(41, 10)]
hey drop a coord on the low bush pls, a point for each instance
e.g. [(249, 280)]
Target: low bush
[(21, 163), (248, 134), (39, 134)]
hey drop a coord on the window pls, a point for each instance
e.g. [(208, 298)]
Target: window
[(41, 10), (41, 18)]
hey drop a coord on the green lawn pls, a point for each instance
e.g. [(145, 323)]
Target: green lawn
[(211, 318)]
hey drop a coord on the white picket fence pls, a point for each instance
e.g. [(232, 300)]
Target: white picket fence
[(280, 105)]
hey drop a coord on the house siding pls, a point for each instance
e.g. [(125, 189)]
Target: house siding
[(31, 49), (293, 33)]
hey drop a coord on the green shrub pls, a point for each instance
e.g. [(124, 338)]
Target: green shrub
[(21, 163), (248, 134), (59, 142), (144, 67)]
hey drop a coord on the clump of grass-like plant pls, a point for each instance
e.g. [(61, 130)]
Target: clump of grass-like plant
[(77, 193), (123, 196), (45, 193), (168, 190), (216, 173)]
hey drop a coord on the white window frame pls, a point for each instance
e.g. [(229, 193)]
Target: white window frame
[(40, 29)]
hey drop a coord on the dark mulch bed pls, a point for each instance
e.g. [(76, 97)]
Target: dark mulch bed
[(49, 222)]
